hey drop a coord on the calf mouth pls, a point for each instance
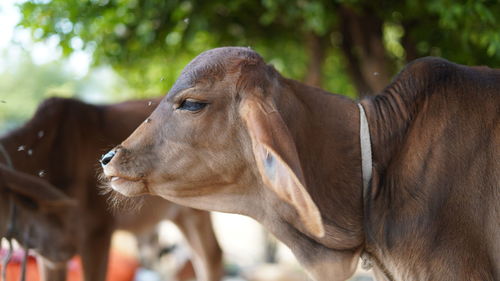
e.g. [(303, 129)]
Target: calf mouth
[(121, 179), (128, 186), (119, 190), (123, 183)]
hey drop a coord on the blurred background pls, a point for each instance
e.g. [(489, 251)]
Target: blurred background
[(110, 50), (103, 51)]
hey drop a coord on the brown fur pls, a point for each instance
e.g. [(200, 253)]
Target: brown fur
[(432, 213), (437, 188), (65, 139), (36, 204)]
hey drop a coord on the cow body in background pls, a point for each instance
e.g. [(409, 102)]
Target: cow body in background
[(62, 144), (37, 215), (289, 155)]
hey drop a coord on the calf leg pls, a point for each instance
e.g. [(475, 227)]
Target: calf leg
[(50, 271), (207, 254), (94, 251)]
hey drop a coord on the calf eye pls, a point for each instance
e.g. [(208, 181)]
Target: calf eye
[(192, 105)]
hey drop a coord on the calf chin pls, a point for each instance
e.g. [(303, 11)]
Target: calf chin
[(337, 267)]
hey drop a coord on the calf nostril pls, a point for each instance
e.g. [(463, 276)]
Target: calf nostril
[(106, 158)]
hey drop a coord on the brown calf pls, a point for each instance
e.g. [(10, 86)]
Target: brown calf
[(233, 135), (37, 215), (62, 142)]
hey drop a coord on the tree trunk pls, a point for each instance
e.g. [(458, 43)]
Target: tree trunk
[(316, 51), (363, 46), (408, 43)]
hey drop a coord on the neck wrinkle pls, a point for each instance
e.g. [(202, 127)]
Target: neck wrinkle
[(391, 112), (389, 116)]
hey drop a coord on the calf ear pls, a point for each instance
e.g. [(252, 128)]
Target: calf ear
[(33, 192), (278, 161)]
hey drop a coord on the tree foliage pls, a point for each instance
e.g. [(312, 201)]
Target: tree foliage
[(20, 95), (24, 84), (334, 44)]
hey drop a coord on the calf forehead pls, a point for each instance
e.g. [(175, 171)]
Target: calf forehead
[(213, 65)]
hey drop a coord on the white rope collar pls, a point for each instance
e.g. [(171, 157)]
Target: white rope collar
[(366, 150), (366, 170)]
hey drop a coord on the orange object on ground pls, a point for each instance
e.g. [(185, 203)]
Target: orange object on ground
[(120, 268)]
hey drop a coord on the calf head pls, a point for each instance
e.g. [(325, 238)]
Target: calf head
[(218, 141), (42, 214)]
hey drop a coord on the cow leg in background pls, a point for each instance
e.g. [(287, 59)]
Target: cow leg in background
[(196, 226), (94, 251), (149, 248), (50, 271)]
